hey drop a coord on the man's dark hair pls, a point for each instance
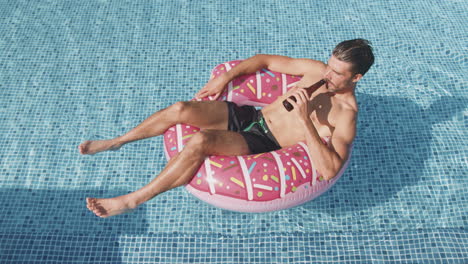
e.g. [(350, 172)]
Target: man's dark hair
[(358, 52)]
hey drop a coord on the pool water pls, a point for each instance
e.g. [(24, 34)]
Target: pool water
[(73, 71)]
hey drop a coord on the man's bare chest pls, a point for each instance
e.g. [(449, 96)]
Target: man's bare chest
[(322, 111)]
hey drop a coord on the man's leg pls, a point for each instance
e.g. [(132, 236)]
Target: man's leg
[(203, 114), (179, 171)]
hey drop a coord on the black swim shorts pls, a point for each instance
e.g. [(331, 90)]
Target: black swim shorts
[(249, 122)]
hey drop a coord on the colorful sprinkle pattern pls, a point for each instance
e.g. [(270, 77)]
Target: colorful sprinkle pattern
[(259, 177)]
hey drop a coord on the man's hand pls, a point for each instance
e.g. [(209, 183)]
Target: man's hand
[(301, 106), (213, 87)]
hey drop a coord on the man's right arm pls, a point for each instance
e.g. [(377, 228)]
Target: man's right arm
[(276, 63)]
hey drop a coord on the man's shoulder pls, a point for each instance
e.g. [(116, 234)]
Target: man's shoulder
[(346, 113), (348, 105), (345, 124)]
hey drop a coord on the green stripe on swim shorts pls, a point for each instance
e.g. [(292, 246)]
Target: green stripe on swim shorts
[(261, 123)]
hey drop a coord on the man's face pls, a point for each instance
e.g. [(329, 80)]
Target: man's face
[(339, 75)]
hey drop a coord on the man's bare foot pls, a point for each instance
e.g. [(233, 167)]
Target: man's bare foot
[(94, 146), (109, 207)]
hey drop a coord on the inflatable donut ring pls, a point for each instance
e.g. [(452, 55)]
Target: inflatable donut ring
[(253, 183)]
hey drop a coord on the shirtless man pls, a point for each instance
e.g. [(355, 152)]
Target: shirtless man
[(331, 111)]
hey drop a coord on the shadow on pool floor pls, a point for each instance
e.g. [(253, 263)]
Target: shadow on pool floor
[(390, 151)]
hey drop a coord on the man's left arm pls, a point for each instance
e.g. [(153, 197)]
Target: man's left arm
[(329, 160)]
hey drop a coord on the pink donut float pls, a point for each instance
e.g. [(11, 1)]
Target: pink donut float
[(253, 183)]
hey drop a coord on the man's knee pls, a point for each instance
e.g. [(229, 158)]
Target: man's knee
[(201, 141), (179, 108)]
